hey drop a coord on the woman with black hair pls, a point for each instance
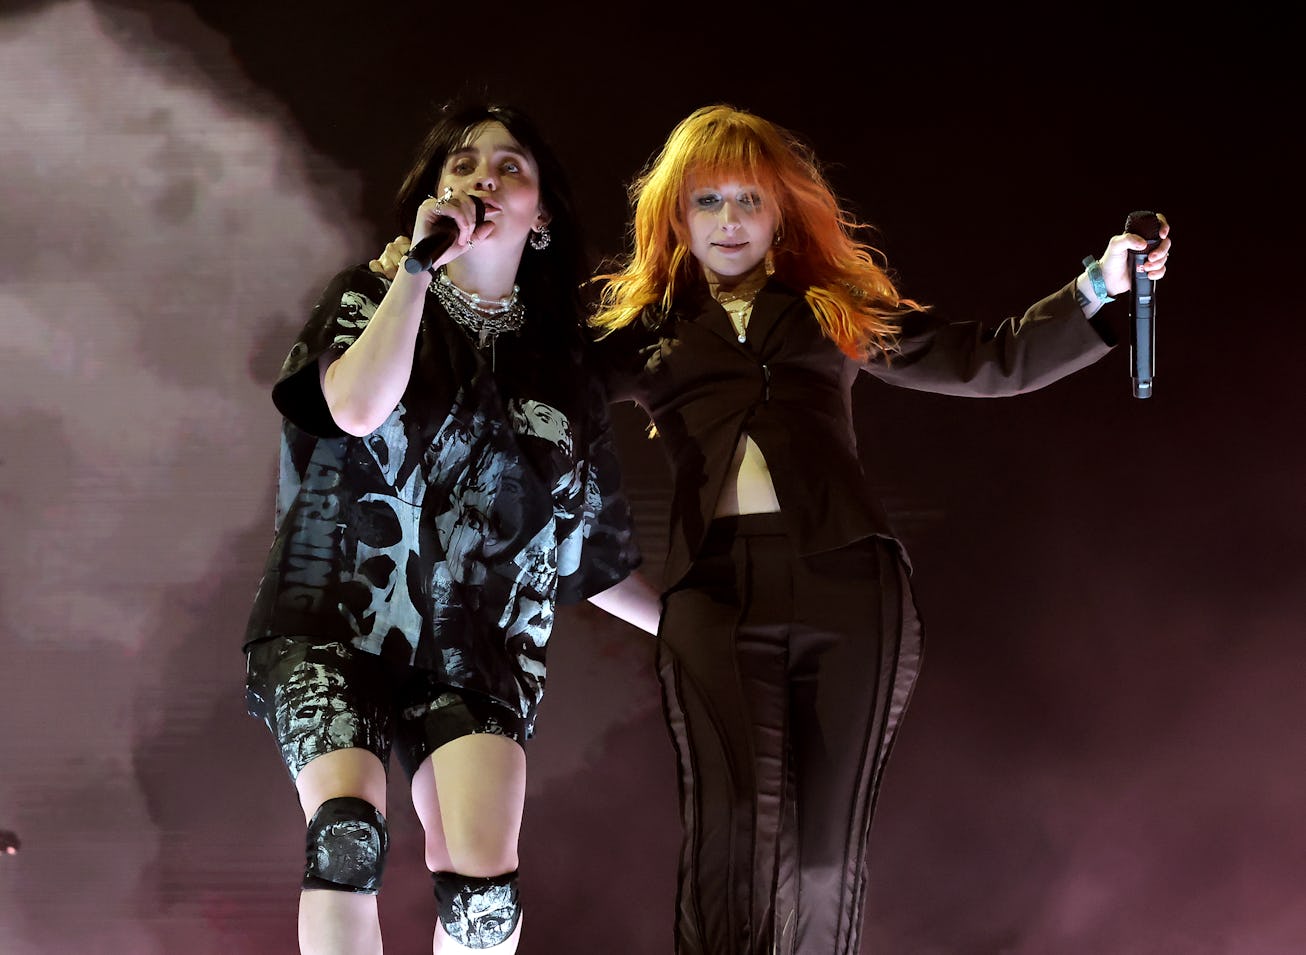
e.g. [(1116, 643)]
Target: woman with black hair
[(447, 479)]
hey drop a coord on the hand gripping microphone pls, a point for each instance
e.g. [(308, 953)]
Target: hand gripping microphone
[(1142, 305), (434, 244)]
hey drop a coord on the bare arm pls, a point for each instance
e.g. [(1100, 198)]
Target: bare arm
[(364, 384), (634, 600)]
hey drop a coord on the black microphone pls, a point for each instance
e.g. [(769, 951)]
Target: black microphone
[(441, 236), (1142, 305)]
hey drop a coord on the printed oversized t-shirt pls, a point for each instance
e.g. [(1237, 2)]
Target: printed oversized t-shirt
[(446, 537)]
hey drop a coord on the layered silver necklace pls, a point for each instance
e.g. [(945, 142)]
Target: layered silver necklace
[(486, 319)]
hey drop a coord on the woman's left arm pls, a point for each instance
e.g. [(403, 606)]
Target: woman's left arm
[(1055, 337)]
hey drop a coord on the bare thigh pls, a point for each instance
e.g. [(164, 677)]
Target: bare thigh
[(469, 796)]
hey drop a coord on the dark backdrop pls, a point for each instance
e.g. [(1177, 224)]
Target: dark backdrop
[(1105, 753)]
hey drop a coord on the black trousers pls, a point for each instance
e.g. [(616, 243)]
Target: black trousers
[(784, 679)]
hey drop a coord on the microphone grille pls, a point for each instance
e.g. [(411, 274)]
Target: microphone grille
[(1144, 225)]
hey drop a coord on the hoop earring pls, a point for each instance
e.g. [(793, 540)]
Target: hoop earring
[(540, 238)]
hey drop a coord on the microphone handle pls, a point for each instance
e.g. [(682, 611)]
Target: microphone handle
[(1142, 330), (431, 247), (434, 244)]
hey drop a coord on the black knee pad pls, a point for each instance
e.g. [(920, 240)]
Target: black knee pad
[(477, 913), (346, 846)]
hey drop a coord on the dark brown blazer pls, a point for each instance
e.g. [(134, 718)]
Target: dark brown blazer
[(790, 388)]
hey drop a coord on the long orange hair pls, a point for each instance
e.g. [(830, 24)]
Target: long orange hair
[(818, 253)]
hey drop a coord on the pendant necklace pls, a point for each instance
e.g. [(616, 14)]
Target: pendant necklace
[(738, 303), (739, 310)]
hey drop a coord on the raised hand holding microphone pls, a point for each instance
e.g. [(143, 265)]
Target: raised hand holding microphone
[(448, 221), (1131, 264)]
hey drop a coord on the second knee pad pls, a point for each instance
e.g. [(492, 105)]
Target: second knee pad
[(346, 846), (476, 912)]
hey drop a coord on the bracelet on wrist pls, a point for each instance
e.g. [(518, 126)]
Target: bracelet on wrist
[(1094, 269)]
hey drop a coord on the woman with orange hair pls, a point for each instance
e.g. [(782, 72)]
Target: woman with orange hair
[(789, 641)]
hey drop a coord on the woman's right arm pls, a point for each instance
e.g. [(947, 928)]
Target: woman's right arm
[(364, 384)]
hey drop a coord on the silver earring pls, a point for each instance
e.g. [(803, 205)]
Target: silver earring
[(540, 238)]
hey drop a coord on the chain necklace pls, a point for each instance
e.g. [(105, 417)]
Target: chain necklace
[(738, 303), (739, 310), (487, 319)]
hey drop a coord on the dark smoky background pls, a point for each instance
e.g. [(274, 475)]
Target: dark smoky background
[(1105, 753)]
